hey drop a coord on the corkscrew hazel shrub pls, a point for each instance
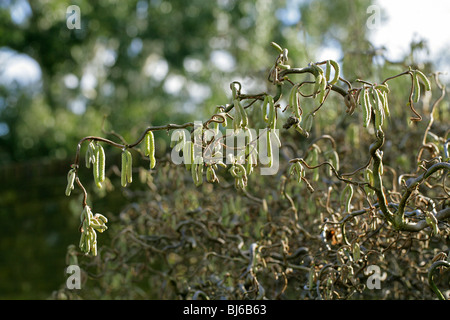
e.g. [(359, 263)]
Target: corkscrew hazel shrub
[(362, 210)]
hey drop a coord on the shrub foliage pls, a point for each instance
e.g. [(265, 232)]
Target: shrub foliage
[(358, 207)]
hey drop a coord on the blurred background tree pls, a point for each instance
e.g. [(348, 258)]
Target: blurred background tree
[(153, 60), (133, 64)]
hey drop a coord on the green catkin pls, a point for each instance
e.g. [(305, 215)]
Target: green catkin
[(197, 171), (200, 171), (250, 163), (424, 79), (210, 174), (240, 174), (178, 144), (292, 169), (432, 222), (101, 163), (322, 88), (336, 71), (87, 242), (366, 107), (124, 169), (82, 241), (99, 166), (368, 177), (70, 181), (380, 103), (249, 152), (94, 249), (349, 198), (309, 122), (242, 114), (237, 120), (87, 157), (129, 167), (269, 148), (123, 172), (271, 118), (319, 78), (173, 142), (83, 215), (89, 215), (382, 87), (240, 117), (416, 87), (150, 148), (292, 95), (91, 224), (188, 154), (101, 217), (297, 170), (93, 238), (264, 108), (95, 169), (334, 160), (147, 144), (194, 173), (276, 46), (192, 152), (294, 103), (384, 99), (90, 154), (377, 107), (378, 119), (328, 71)]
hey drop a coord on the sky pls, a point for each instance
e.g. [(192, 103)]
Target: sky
[(413, 19), (402, 21)]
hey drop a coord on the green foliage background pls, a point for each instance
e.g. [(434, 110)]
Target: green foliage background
[(134, 50)]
